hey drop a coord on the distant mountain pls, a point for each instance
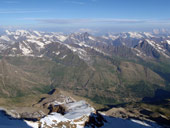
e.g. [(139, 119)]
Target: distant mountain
[(99, 68), (34, 43)]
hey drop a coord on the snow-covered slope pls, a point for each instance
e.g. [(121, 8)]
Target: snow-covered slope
[(66, 112), (34, 43), (76, 117), (77, 114), (150, 48)]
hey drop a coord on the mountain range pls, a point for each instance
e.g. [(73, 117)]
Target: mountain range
[(113, 69), (90, 66)]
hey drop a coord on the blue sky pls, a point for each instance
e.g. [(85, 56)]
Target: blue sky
[(66, 15)]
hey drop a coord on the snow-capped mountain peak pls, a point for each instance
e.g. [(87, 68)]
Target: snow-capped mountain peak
[(32, 43)]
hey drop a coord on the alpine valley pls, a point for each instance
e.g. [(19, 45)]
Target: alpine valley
[(80, 80)]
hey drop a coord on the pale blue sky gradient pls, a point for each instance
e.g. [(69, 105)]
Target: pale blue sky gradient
[(92, 14)]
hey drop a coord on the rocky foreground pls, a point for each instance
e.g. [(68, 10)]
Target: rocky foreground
[(61, 111)]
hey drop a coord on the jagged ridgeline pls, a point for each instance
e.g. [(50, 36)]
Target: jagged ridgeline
[(107, 69)]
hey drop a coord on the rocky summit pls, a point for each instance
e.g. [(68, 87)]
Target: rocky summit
[(60, 110)]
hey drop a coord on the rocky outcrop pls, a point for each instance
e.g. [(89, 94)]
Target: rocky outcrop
[(57, 108), (32, 116)]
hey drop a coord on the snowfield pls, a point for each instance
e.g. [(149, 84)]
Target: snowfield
[(77, 115), (33, 43)]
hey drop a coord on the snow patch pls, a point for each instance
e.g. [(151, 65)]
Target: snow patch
[(7, 32), (140, 122), (113, 37), (21, 32), (75, 111), (147, 34), (168, 41), (105, 37), (39, 43), (158, 47), (16, 37), (14, 49), (32, 124), (135, 35), (91, 38), (6, 38), (37, 33), (63, 57), (26, 50), (61, 38), (57, 53)]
